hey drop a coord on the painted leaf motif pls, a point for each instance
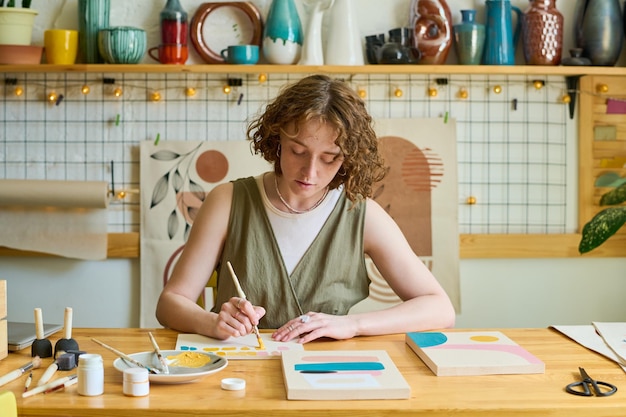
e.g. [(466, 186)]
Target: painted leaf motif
[(615, 196), (197, 190), (160, 190), (164, 155), (177, 181), (601, 227), (172, 224)]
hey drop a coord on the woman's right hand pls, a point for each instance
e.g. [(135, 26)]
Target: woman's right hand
[(237, 317)]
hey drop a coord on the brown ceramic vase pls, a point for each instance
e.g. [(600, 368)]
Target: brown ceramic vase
[(432, 30), (542, 33)]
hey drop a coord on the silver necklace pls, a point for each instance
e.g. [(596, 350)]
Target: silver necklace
[(293, 210)]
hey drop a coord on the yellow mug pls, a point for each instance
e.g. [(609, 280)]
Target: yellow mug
[(61, 46)]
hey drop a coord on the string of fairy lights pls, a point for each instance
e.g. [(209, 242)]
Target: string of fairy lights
[(55, 94), (112, 87)]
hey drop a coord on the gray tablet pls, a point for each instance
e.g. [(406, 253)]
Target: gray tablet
[(22, 335)]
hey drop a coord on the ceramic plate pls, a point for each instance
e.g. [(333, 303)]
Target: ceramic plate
[(178, 374), (215, 26)]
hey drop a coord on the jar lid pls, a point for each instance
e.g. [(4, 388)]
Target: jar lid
[(233, 384), (91, 358), (136, 374)]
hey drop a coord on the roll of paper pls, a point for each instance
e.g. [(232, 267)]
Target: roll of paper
[(54, 193)]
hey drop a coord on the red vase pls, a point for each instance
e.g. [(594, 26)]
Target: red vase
[(542, 33), (432, 30)]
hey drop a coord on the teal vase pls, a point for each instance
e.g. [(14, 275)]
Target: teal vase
[(93, 15), (282, 35), (469, 39)]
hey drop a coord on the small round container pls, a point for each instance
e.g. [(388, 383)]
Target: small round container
[(90, 374), (233, 384), (136, 382)]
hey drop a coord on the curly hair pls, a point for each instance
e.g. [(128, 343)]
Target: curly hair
[(332, 101)]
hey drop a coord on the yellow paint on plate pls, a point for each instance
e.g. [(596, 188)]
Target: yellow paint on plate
[(189, 359)]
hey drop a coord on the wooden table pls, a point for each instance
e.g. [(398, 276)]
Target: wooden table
[(497, 395)]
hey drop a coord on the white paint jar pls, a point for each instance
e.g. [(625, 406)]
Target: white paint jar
[(136, 382), (90, 374)]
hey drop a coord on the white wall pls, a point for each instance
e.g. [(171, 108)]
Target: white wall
[(494, 293)]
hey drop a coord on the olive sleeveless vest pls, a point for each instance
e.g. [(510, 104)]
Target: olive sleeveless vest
[(330, 278)]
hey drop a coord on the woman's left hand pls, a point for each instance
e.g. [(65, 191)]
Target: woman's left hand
[(311, 326)]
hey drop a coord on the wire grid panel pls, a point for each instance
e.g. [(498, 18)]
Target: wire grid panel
[(512, 148)]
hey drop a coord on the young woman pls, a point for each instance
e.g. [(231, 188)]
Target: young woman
[(297, 237)]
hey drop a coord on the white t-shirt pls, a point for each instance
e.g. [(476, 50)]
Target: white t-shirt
[(295, 232)]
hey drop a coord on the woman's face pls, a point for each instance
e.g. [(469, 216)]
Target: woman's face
[(309, 157)]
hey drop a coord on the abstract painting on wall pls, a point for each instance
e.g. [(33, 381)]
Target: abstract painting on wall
[(420, 193)]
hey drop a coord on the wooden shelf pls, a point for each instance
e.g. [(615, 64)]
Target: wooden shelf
[(120, 245), (306, 69)]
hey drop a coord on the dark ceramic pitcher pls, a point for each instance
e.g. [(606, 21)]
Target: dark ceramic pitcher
[(502, 34)]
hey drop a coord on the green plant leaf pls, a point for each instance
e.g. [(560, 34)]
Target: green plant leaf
[(615, 196), (601, 227)]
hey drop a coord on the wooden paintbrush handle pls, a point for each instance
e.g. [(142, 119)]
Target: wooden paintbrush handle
[(48, 373), (5, 379), (38, 324), (68, 323)]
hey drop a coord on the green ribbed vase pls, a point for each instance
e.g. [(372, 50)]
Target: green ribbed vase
[(93, 15)]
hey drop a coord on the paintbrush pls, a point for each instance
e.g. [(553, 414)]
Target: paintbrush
[(49, 386), (28, 381), (127, 358), (34, 364), (243, 295), (165, 369)]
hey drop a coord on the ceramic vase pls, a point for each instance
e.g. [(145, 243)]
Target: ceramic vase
[(501, 33), (93, 15), (312, 50), (343, 41), (282, 35), (542, 33), (432, 30), (174, 24), (469, 39), (599, 30)]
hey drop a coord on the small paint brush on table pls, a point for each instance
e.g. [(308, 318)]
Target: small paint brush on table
[(164, 367), (34, 364), (126, 357), (243, 295)]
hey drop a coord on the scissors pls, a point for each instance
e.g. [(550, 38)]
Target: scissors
[(598, 388)]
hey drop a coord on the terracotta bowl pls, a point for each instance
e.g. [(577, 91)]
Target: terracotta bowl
[(20, 54)]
